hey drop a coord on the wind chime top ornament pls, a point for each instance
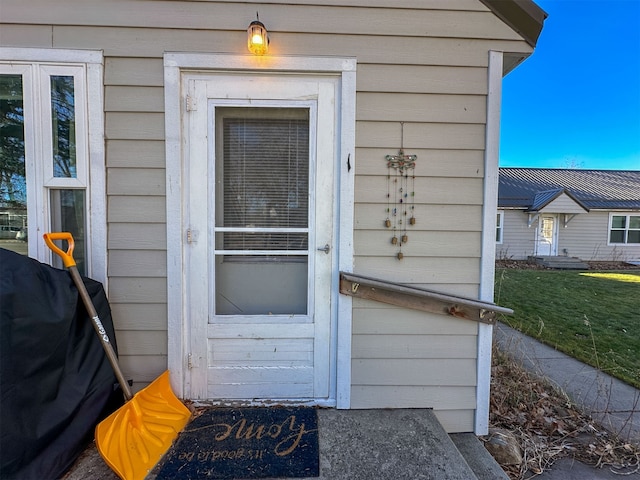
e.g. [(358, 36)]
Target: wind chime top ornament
[(402, 205)]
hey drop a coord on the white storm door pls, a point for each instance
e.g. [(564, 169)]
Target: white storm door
[(261, 158), (547, 234)]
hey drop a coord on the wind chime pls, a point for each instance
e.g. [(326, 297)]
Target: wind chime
[(400, 197)]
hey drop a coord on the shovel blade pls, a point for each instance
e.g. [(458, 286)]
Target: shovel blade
[(133, 438)]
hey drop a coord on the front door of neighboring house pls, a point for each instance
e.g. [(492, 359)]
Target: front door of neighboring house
[(260, 154), (547, 235)]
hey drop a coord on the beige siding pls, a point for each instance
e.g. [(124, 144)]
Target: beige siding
[(518, 239), (586, 236), (563, 204), (419, 62)]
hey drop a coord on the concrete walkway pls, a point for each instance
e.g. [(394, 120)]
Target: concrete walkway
[(613, 404)]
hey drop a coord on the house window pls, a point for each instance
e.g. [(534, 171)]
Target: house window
[(624, 229), (499, 225), (45, 156)]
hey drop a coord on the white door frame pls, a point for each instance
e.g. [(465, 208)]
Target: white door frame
[(177, 64), (553, 248)]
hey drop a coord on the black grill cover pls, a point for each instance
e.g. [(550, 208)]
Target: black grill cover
[(56, 383)]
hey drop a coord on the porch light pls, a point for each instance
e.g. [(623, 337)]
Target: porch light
[(257, 37)]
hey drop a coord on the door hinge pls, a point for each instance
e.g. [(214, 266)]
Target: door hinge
[(191, 104), (190, 361), (192, 236)]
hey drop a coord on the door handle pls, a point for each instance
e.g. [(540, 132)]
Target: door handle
[(325, 249)]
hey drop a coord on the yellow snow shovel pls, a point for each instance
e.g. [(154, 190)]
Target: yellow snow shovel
[(133, 438)]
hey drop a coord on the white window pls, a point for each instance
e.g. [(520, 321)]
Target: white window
[(499, 226), (52, 153), (624, 229)]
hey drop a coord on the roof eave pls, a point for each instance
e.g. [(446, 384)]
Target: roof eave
[(524, 16)]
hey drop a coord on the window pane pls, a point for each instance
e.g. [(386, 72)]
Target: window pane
[(618, 221), (257, 286), (634, 222), (266, 172), (13, 186), (617, 236), (67, 215), (634, 236), (63, 120)]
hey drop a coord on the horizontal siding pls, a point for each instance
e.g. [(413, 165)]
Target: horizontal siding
[(371, 318), (422, 78), (136, 209), (456, 398), (143, 369), (455, 421), (426, 107), (435, 218), (563, 204), (414, 372), (144, 72), (138, 99), (136, 181), (134, 126), (140, 236), (389, 50), (518, 240), (425, 64), (413, 346), (430, 162), (413, 4), (135, 154), (279, 18), (138, 263), (432, 270), (139, 316), (451, 191), (420, 243), (137, 290), (585, 236), (143, 343), (387, 135), (25, 35)]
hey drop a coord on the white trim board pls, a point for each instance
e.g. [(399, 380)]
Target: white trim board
[(175, 64), (489, 210)]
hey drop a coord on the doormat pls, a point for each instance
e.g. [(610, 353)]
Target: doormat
[(240, 443)]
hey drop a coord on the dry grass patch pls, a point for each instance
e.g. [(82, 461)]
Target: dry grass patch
[(549, 427)]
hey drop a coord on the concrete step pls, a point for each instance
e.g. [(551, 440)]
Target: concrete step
[(372, 444), (560, 262)]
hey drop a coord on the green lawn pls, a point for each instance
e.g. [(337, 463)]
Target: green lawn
[(592, 316)]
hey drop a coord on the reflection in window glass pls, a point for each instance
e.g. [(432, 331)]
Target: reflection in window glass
[(13, 188), (63, 121), (618, 221), (67, 215)]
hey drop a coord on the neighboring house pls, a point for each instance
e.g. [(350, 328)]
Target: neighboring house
[(589, 214), (218, 195)]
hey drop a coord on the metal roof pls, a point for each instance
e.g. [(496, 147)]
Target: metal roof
[(526, 188)]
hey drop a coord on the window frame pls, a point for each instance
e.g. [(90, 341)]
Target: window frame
[(499, 227), (626, 228), (86, 66)]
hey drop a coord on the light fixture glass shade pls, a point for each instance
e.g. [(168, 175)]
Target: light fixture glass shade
[(257, 38)]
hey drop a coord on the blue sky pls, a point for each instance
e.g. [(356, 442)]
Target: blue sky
[(575, 103)]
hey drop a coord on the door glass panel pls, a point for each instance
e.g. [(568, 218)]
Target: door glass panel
[(547, 229), (262, 211), (67, 215), (63, 121), (13, 186)]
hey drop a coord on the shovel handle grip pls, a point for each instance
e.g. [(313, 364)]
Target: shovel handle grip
[(67, 257)]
